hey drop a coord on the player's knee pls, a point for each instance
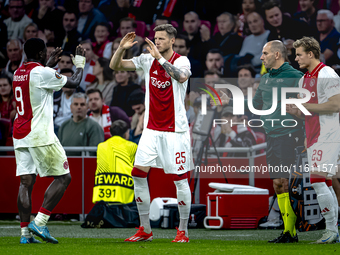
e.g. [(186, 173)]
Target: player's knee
[(27, 181), (65, 179)]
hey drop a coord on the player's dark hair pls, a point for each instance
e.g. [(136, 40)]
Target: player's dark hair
[(91, 91), (119, 127), (308, 44), (168, 28), (33, 46)]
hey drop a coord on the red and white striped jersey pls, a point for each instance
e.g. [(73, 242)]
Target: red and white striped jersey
[(322, 83), (164, 97), (33, 86)]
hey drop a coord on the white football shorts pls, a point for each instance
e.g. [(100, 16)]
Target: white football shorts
[(49, 160), (168, 150), (323, 157)]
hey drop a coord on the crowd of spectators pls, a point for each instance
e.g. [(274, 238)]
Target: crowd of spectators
[(221, 41)]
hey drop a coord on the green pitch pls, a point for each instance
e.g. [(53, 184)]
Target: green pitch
[(75, 240)]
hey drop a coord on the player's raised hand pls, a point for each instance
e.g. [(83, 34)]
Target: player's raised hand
[(128, 41), (224, 99), (54, 58), (153, 49), (80, 50), (79, 60)]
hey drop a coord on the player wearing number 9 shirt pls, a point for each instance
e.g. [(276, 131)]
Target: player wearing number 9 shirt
[(37, 149), (165, 142)]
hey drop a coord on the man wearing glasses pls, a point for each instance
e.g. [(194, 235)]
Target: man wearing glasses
[(18, 20)]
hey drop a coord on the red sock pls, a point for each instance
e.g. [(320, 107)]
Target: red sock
[(45, 211), (24, 224), (329, 182)]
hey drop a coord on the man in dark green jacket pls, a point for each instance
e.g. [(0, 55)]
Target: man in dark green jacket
[(281, 137)]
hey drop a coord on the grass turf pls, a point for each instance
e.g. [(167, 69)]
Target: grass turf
[(75, 240)]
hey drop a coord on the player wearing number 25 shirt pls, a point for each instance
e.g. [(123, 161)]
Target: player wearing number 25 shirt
[(165, 141), (37, 149), (322, 129)]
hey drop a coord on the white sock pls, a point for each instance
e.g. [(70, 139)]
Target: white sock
[(336, 205), (25, 232), (142, 197), (326, 201), (184, 204), (41, 219)]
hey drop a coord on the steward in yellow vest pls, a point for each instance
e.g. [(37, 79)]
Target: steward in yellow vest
[(115, 158)]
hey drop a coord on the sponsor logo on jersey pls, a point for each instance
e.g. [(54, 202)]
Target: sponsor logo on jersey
[(58, 75), (159, 84)]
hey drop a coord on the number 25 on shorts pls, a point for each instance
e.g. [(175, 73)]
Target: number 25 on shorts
[(180, 157)]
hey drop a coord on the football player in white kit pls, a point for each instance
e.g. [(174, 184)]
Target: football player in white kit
[(165, 142), (322, 129), (37, 148)]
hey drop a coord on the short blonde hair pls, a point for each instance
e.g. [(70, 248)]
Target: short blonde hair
[(309, 44)]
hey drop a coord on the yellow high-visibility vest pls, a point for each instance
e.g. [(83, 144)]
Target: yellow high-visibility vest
[(113, 181)]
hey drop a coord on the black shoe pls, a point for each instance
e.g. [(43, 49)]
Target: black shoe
[(287, 238), (277, 238)]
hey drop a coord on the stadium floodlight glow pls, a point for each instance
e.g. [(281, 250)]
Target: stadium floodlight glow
[(238, 100)]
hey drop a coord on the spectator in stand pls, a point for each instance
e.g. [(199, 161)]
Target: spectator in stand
[(246, 76), (102, 46), (99, 111), (214, 60), (89, 18), (127, 25), (336, 19), (88, 76), (308, 13), (65, 61), (49, 19), (80, 130), (62, 102), (14, 54), (70, 37), (115, 10), (226, 39), (253, 43), (7, 102), (284, 28), (136, 100), (31, 31), (328, 37), (18, 20), (199, 35), (123, 90), (104, 79), (248, 6), (236, 135), (181, 46), (50, 46)]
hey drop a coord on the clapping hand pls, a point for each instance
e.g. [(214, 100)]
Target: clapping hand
[(54, 58)]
